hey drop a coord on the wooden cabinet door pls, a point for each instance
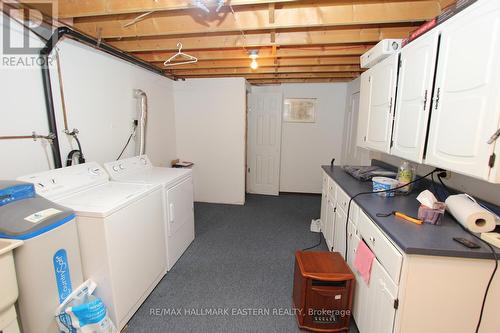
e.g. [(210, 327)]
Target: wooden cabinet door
[(416, 75), (466, 105), (382, 102)]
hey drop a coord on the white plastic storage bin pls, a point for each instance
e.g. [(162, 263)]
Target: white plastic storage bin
[(48, 264)]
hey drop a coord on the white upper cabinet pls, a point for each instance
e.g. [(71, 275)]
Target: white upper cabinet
[(416, 75), (364, 104), (382, 80), (466, 106)]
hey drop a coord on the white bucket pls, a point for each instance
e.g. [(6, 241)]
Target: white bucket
[(384, 184)]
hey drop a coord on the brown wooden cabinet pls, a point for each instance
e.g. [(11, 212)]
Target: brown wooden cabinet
[(323, 291)]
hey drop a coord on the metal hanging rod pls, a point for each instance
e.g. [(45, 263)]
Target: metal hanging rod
[(50, 137)]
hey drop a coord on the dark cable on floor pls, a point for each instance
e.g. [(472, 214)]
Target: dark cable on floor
[(314, 246), (374, 192), (495, 258)]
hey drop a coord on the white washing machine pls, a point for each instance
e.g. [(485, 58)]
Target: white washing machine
[(178, 198), (120, 227)]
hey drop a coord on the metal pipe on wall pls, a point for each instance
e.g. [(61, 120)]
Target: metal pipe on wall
[(97, 44)]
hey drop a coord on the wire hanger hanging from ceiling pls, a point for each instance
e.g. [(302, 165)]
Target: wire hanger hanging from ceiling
[(190, 59)]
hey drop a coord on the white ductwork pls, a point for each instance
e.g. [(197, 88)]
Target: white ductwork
[(143, 112)]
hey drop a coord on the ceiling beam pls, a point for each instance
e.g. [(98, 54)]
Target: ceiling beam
[(254, 76), (265, 53), (325, 37), (266, 70), (312, 80), (258, 19), (78, 8), (269, 62)]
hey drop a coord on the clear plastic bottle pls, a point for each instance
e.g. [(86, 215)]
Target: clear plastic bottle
[(406, 174)]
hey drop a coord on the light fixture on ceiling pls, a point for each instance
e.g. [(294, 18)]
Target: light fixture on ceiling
[(254, 54), (204, 4)]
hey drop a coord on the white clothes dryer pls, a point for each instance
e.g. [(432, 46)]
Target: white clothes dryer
[(177, 195)]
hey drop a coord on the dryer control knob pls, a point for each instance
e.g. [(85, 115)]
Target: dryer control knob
[(115, 168), (121, 167)]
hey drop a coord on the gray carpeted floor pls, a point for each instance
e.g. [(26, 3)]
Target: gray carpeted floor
[(240, 264)]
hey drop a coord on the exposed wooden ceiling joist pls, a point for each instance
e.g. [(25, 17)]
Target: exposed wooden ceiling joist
[(79, 8), (297, 40), (324, 37), (270, 62), (279, 81), (266, 53), (254, 19), (261, 70), (255, 76)]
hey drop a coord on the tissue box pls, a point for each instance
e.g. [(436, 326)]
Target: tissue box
[(432, 215)]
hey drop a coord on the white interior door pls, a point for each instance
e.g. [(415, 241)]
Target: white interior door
[(264, 143)]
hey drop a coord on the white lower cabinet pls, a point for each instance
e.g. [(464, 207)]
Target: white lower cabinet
[(380, 297), (324, 206), (339, 235), (330, 224), (409, 293)]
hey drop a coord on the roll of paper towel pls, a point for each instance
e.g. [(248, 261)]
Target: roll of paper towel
[(470, 214)]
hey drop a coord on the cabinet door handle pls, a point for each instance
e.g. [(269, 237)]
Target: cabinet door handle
[(390, 106), (436, 100), (171, 211), (372, 239), (385, 289), (494, 137), (425, 100)]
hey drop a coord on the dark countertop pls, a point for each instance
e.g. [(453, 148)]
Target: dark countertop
[(425, 239)]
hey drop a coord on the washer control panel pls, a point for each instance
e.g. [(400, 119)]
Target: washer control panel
[(59, 182), (122, 168)]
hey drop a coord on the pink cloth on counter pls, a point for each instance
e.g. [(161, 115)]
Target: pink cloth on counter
[(363, 261)]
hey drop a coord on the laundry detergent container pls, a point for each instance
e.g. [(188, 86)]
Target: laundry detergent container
[(48, 264)]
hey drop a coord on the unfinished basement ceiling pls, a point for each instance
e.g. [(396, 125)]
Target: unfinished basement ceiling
[(297, 40)]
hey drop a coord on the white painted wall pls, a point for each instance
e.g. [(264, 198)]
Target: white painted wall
[(307, 146), (22, 111), (99, 98), (100, 102), (210, 117), (477, 188)]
